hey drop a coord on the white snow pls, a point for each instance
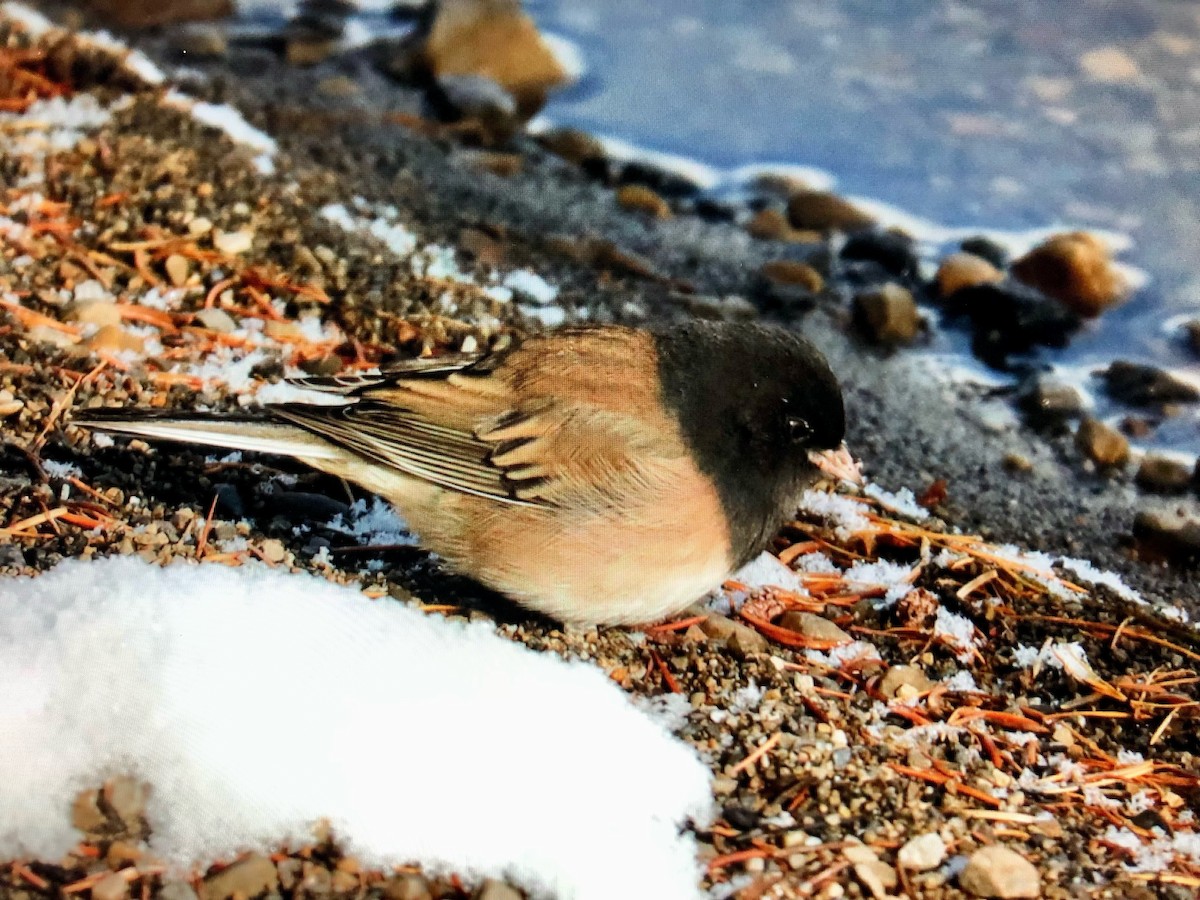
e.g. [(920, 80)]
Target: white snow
[(530, 285), (894, 578), (843, 513), (958, 632), (35, 24), (901, 502), (766, 571), (256, 703), (1089, 573), (375, 525), (229, 120)]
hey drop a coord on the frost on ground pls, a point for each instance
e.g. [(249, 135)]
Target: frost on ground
[(437, 742)]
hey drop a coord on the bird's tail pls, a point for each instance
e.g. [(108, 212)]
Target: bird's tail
[(231, 432)]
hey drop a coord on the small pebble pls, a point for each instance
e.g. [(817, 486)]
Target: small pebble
[(639, 198), (823, 211), (888, 315), (924, 852), (1163, 475), (1076, 270), (178, 269), (233, 242), (1101, 443), (964, 270), (999, 872)]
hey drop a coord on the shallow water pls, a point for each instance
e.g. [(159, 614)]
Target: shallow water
[(1008, 116)]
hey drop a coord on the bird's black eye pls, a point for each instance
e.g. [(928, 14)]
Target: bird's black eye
[(799, 430)]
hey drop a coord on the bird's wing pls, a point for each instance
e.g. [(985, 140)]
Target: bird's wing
[(589, 434)]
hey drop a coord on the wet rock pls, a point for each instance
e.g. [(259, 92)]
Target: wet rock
[(639, 198), (891, 251), (572, 145), (249, 877), (922, 853), (787, 286), (661, 180), (904, 679), (1048, 402), (494, 40), (1172, 534), (813, 626), (887, 315), (1140, 385), (1075, 269), (823, 211), (154, 13), (792, 272), (1101, 443), (497, 890), (1010, 319), (200, 42), (996, 871), (769, 225), (964, 270), (406, 887), (1192, 329), (986, 248), (1163, 475), (307, 47)]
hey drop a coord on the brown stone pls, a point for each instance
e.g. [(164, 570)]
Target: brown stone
[(1163, 475), (639, 198), (998, 872), (496, 40), (126, 797), (788, 271), (572, 145), (1076, 270), (497, 890), (964, 270), (153, 13), (86, 814), (769, 225), (1101, 443), (823, 211), (813, 626), (898, 677), (888, 315)]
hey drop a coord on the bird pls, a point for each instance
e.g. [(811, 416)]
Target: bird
[(596, 474)]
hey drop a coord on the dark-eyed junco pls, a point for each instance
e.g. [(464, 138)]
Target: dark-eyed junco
[(596, 474)]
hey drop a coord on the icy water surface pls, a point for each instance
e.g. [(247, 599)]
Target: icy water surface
[(1010, 115)]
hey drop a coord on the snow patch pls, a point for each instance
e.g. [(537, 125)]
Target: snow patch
[(193, 678)]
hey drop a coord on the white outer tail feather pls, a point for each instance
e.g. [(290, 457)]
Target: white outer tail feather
[(258, 437)]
